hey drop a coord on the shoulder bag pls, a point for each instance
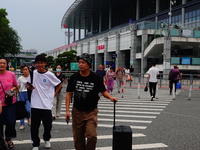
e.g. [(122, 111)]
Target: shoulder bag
[(8, 98)]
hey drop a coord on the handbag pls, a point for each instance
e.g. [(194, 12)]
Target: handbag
[(8, 98), (21, 111), (146, 88)]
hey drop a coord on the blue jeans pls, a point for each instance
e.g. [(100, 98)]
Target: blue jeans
[(23, 96), (8, 118)]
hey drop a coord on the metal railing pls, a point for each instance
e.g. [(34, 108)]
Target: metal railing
[(186, 81), (163, 81)]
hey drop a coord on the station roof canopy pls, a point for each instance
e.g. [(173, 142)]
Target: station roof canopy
[(81, 12)]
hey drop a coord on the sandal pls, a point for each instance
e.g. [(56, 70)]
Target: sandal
[(10, 144)]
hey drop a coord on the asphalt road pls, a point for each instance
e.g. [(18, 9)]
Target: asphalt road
[(163, 124)]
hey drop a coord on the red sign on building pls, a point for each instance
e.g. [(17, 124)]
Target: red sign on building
[(100, 47)]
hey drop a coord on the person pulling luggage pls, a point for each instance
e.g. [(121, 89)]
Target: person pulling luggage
[(86, 86)]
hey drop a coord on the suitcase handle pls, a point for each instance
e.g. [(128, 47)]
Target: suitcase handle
[(114, 115)]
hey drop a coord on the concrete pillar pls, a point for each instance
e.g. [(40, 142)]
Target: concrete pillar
[(106, 50), (120, 59), (97, 56), (74, 31), (79, 28), (166, 56), (117, 61), (144, 45), (68, 36), (157, 6), (81, 48), (100, 22), (137, 9), (133, 51), (157, 11), (183, 12), (110, 17), (88, 50), (85, 30), (92, 26)]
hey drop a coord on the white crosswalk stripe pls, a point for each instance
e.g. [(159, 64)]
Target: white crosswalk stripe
[(129, 109), (138, 114)]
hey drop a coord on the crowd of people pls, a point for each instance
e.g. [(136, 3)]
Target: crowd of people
[(44, 104), (45, 88)]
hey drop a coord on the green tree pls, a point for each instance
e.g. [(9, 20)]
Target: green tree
[(9, 39), (50, 61), (65, 58), (44, 54)]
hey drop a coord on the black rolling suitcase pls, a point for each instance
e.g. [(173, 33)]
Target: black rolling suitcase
[(122, 136)]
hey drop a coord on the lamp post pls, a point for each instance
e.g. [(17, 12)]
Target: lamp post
[(172, 2)]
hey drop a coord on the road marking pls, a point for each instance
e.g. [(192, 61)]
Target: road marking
[(127, 108), (130, 106), (67, 139), (131, 112), (136, 101), (119, 120), (147, 146), (128, 116), (100, 125), (123, 120), (124, 116), (139, 146)]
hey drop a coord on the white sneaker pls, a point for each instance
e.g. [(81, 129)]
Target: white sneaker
[(35, 148), (21, 128), (47, 144)]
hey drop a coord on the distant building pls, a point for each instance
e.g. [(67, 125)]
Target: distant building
[(25, 57), (136, 32)]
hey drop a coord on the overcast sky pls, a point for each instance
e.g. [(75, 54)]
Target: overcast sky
[(37, 22)]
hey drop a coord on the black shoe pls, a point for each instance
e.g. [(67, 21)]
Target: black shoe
[(170, 93), (118, 91), (151, 98)]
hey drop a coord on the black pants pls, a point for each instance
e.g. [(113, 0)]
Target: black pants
[(8, 118), (38, 115), (171, 85), (152, 88)]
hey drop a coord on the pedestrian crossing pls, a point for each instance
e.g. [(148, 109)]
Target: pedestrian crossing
[(137, 113)]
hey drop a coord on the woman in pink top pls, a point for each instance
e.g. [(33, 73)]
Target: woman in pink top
[(8, 116), (110, 75)]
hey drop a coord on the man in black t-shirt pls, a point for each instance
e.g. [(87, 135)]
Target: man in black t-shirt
[(101, 72), (85, 85)]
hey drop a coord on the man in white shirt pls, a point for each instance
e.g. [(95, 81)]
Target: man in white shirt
[(43, 93), (152, 78)]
